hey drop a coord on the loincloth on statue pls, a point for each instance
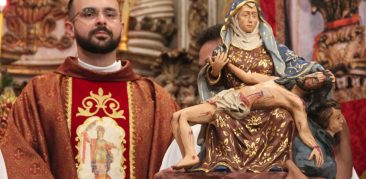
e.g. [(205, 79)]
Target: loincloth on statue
[(232, 102)]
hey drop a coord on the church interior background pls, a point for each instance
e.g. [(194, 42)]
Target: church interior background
[(160, 40)]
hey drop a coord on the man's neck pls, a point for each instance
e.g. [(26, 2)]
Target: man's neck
[(331, 133), (299, 92), (100, 60)]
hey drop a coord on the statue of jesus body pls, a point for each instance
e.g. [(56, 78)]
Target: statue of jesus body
[(264, 92)]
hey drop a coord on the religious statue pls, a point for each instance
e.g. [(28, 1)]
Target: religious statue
[(259, 139), (263, 92), (325, 121)]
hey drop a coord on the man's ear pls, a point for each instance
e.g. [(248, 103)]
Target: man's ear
[(69, 29)]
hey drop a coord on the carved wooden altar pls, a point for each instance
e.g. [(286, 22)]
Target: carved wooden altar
[(166, 50), (34, 37), (341, 46)]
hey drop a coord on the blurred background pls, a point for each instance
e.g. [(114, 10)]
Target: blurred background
[(160, 40)]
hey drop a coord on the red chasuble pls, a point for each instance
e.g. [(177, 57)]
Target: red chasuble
[(76, 123)]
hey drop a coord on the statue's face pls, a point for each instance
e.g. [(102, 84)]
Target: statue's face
[(248, 18), (336, 121), (313, 81)]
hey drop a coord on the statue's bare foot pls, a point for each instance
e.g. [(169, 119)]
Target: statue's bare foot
[(187, 162), (293, 171)]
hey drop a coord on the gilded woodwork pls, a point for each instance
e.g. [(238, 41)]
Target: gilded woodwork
[(150, 28), (178, 73), (197, 20), (146, 16), (7, 99), (332, 10), (341, 46), (31, 24), (125, 7)]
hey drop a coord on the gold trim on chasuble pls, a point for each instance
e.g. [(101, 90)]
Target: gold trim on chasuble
[(69, 102), (100, 153), (132, 129)]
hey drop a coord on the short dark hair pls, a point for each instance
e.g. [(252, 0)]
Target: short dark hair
[(211, 33), (69, 6), (324, 112), (322, 116)]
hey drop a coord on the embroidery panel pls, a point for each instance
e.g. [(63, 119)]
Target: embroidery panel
[(100, 128), (101, 144)]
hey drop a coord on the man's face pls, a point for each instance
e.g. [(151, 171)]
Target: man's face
[(336, 121), (206, 50), (247, 18), (96, 25), (314, 80)]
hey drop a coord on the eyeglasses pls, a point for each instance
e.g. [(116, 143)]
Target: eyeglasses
[(91, 13)]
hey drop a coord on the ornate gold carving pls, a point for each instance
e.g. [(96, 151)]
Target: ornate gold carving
[(7, 100), (150, 27), (22, 69), (125, 9), (31, 23), (143, 20), (93, 103), (341, 46), (178, 75), (332, 10), (197, 20)]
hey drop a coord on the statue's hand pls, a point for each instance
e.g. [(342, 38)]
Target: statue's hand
[(331, 75), (317, 155), (218, 63)]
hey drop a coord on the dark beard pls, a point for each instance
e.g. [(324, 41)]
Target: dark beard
[(87, 44)]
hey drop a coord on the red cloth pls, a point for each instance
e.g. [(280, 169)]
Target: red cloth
[(269, 10), (355, 114)]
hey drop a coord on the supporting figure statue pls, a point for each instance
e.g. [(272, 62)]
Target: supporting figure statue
[(326, 122)]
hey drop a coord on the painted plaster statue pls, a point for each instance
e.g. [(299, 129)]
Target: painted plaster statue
[(262, 92), (326, 123), (260, 140)]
